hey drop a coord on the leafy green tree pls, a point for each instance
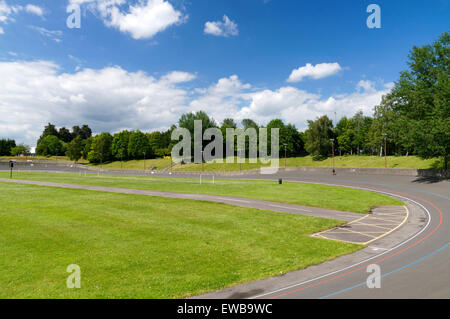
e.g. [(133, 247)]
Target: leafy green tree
[(86, 132), (5, 146), (139, 146), (318, 137), (248, 123), (119, 146), (50, 146), (87, 144), (345, 132), (422, 97), (75, 149), (20, 149), (65, 135), (100, 148), (187, 121), (49, 129)]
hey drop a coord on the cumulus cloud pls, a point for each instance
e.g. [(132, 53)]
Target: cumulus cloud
[(34, 93), (31, 8), (223, 28), (315, 72), (110, 99), (142, 21)]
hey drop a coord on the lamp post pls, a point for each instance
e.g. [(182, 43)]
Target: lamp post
[(144, 160), (385, 151), (285, 154), (332, 145)]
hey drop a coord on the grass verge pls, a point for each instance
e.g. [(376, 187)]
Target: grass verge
[(131, 246), (314, 195), (307, 161)]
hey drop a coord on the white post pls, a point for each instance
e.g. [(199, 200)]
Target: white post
[(200, 179)]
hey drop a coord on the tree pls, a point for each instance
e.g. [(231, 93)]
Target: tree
[(85, 132), (50, 146), (100, 150), (87, 144), (249, 123), (119, 146), (5, 146), (187, 121), (422, 97), (139, 146), (20, 149), (345, 132), (160, 142), (50, 129), (318, 137), (65, 135), (229, 123), (75, 149)]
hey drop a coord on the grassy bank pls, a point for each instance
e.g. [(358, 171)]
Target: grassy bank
[(157, 164), (324, 196), (131, 246), (307, 161)]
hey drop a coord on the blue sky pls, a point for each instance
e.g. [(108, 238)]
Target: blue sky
[(140, 64)]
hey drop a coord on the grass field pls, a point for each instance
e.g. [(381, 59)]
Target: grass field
[(314, 195), (131, 246), (307, 161)]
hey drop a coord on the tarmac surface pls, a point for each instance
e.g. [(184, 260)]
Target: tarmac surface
[(413, 259)]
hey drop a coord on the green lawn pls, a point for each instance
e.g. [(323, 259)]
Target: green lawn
[(324, 196), (307, 161), (131, 246)]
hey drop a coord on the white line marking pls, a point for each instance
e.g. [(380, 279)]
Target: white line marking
[(366, 260)]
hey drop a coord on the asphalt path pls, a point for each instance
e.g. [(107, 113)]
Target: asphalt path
[(417, 267)]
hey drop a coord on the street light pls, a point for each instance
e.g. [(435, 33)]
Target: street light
[(385, 151), (144, 160), (332, 143), (285, 154)]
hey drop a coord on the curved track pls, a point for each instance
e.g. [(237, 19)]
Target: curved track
[(418, 267)]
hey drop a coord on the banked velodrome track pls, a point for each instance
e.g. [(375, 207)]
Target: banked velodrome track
[(414, 261)]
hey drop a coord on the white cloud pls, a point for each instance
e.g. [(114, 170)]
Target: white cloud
[(8, 11), (178, 77), (34, 93), (109, 99), (218, 28), (31, 8), (315, 72), (54, 35), (142, 21)]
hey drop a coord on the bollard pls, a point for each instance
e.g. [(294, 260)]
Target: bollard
[(280, 181)]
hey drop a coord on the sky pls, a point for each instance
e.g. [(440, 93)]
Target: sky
[(140, 64)]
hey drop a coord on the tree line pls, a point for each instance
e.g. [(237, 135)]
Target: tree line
[(413, 119)]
